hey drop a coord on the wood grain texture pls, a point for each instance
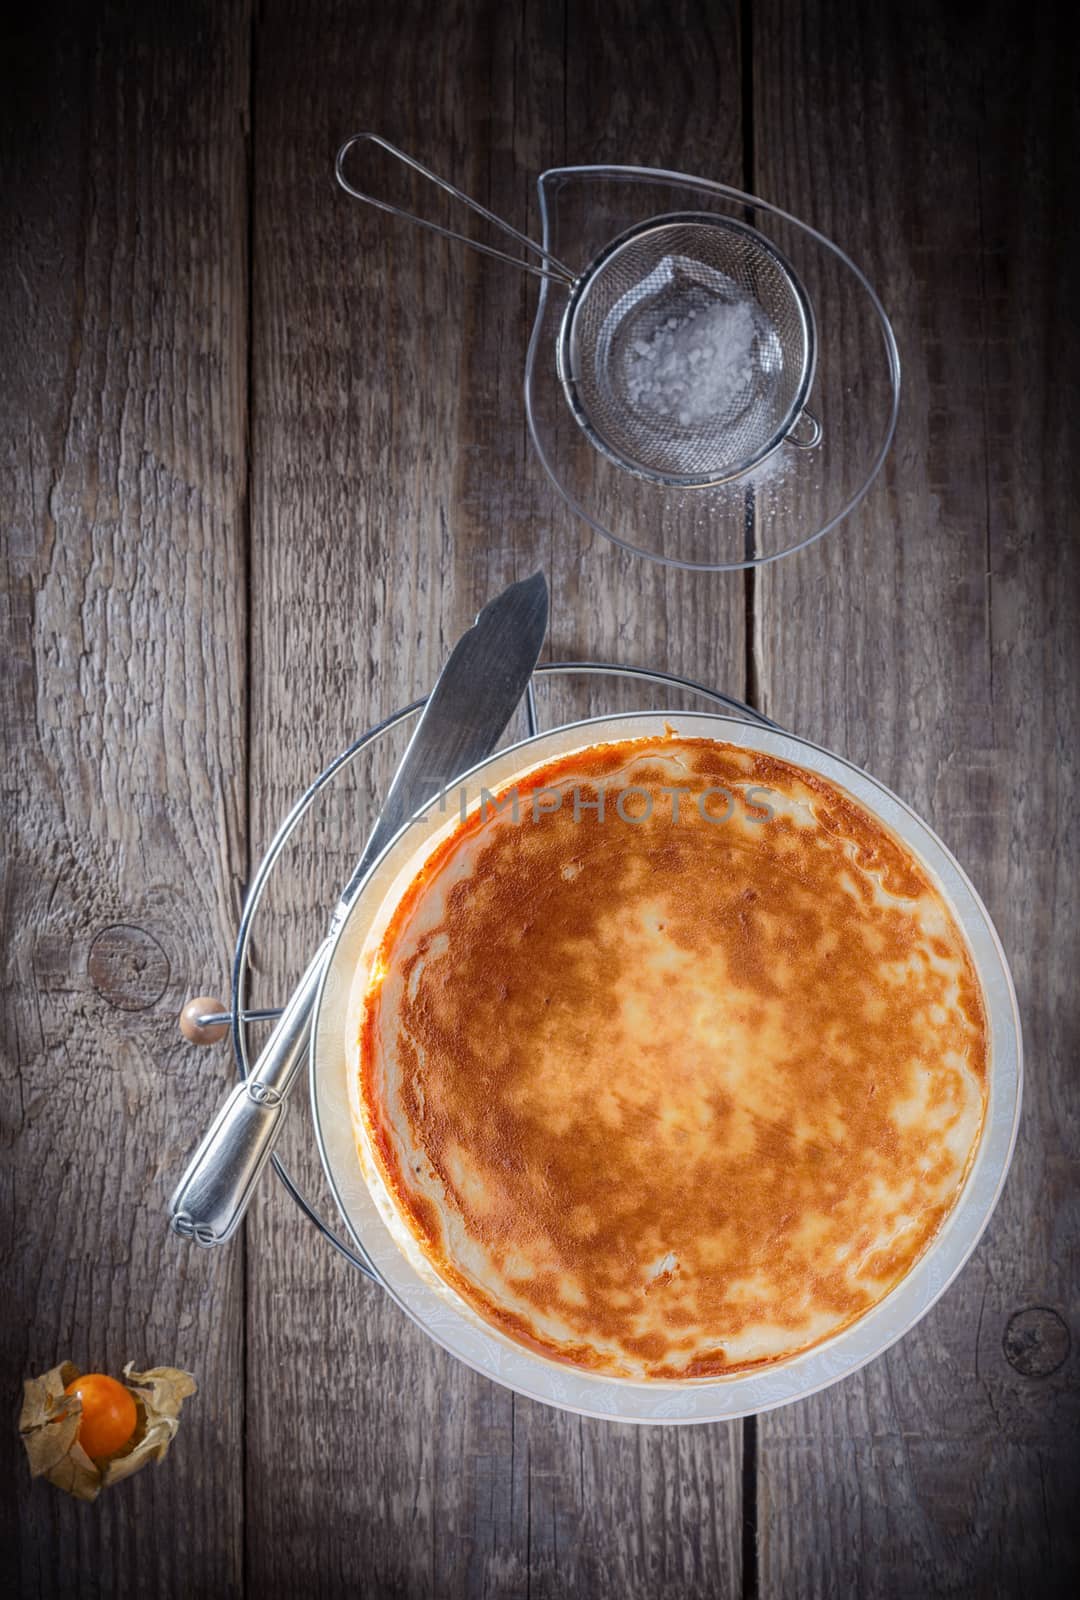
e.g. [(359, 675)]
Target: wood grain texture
[(934, 641), (612, 605), (394, 491), (123, 320)]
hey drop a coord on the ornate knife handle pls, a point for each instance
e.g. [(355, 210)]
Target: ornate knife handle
[(211, 1198)]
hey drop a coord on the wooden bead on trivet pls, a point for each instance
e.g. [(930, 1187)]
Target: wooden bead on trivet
[(194, 1029)]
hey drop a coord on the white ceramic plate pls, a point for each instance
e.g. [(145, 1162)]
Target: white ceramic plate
[(373, 1222)]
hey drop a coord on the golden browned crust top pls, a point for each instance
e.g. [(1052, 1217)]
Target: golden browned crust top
[(671, 1097)]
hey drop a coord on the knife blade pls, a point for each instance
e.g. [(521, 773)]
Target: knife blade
[(484, 678), (475, 696)]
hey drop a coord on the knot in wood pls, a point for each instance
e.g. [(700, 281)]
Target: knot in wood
[(1036, 1342), (128, 967)]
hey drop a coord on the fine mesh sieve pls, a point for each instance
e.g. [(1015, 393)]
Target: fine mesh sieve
[(687, 347), (639, 307)]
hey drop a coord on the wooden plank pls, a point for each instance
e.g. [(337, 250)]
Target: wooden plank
[(393, 492), (659, 87), (934, 641), (123, 322)]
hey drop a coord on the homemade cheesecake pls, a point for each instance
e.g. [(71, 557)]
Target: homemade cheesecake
[(672, 1059)]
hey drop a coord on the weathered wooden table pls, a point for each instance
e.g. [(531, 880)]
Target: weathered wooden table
[(264, 459)]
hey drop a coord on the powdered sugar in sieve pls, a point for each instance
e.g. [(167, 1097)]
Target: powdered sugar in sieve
[(698, 366)]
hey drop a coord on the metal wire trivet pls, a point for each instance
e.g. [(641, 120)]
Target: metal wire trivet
[(242, 1016)]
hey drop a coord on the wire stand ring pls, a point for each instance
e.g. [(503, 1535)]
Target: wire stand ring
[(242, 1016)]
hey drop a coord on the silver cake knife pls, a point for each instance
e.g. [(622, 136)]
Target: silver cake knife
[(477, 692)]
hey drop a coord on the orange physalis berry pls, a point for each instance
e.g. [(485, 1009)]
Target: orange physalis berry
[(109, 1415)]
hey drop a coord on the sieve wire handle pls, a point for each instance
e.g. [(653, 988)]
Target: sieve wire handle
[(805, 432), (552, 269)]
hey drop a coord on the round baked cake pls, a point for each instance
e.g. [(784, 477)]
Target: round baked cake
[(672, 1059)]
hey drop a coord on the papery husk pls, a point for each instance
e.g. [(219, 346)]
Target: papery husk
[(49, 1425), (159, 1394)]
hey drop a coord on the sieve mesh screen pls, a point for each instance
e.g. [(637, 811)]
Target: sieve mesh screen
[(687, 349)]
